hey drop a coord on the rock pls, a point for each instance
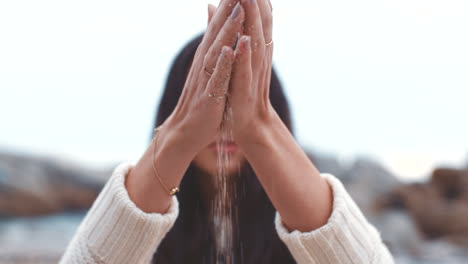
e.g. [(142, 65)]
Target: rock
[(36, 186), (434, 252), (441, 251), (399, 231), (439, 207), (451, 183), (40, 239), (405, 214), (368, 181), (364, 179), (362, 169), (328, 164)]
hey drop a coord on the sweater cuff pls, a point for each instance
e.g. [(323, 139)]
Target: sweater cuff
[(347, 237), (117, 231)]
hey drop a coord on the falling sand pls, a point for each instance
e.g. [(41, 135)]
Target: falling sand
[(223, 212)]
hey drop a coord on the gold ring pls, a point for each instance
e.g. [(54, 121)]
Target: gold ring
[(217, 97), (207, 72), (269, 43)]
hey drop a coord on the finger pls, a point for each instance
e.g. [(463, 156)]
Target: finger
[(218, 84), (265, 75), (211, 12), (224, 10), (267, 19), (253, 28), (241, 78), (226, 37)]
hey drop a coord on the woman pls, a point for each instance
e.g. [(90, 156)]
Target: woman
[(287, 211)]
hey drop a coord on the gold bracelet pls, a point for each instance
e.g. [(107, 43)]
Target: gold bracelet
[(173, 190)]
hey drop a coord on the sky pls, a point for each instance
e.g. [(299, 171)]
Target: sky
[(386, 80)]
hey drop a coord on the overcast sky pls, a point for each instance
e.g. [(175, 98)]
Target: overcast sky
[(383, 79)]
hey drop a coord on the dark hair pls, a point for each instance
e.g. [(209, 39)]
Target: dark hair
[(191, 239)]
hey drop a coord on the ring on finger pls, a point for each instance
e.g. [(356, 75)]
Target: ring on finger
[(217, 97), (207, 72), (269, 43)]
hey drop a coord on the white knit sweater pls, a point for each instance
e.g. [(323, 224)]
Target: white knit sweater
[(116, 231)]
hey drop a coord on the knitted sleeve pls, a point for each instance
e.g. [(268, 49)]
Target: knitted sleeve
[(347, 237), (115, 230)]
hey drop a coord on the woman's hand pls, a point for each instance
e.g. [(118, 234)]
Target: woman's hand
[(250, 84), (302, 197), (197, 118)]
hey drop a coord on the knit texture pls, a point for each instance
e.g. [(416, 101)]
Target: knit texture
[(116, 231), (347, 237)]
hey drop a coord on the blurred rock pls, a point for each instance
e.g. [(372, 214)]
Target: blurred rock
[(434, 252), (328, 164), (34, 240), (364, 179), (439, 207), (36, 186), (399, 232), (369, 181), (451, 183), (406, 215)]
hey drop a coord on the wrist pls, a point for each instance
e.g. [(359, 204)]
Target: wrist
[(171, 159), (261, 132), (180, 139), (173, 143)]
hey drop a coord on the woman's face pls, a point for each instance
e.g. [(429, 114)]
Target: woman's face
[(207, 158)]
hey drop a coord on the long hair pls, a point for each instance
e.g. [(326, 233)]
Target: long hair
[(191, 239)]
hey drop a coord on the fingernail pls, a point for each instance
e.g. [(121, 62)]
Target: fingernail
[(236, 11), (253, 1), (225, 50), (247, 41)]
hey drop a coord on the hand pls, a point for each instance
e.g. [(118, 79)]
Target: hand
[(199, 113), (250, 84), (301, 196), (197, 117)]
